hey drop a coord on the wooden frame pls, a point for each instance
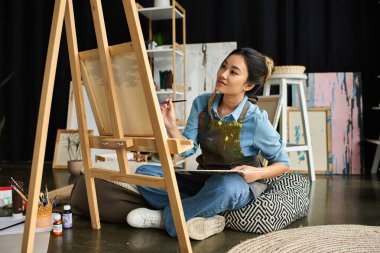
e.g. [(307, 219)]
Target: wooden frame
[(118, 139), (272, 105), (61, 156), (320, 131)]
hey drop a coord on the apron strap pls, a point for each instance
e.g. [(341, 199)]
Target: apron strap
[(209, 105), (244, 111)]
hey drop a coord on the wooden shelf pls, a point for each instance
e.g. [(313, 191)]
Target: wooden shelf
[(160, 13), (165, 52)]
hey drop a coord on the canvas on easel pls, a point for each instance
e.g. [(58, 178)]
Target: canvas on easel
[(128, 89), (122, 96)]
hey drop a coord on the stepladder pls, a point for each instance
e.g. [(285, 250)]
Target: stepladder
[(118, 80), (297, 82)]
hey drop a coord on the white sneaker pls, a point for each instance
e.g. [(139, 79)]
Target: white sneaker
[(145, 218), (200, 228)]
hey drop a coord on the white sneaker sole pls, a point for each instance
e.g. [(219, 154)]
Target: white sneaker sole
[(145, 218), (201, 228)]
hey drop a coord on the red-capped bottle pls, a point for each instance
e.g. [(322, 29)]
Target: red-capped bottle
[(57, 225)]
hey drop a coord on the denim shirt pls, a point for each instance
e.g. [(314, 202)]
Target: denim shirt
[(258, 135)]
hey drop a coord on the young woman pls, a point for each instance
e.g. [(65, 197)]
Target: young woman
[(231, 131)]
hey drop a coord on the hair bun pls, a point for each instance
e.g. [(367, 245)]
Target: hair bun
[(270, 66)]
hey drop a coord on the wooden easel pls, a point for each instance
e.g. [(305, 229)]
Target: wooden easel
[(118, 140)]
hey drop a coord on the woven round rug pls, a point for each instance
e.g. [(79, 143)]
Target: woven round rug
[(329, 238)]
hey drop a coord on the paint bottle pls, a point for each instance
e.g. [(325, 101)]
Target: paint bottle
[(67, 217), (57, 225)]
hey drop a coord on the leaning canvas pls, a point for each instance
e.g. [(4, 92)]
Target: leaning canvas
[(342, 92)]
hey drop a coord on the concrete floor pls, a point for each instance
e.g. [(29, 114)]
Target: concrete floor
[(334, 200)]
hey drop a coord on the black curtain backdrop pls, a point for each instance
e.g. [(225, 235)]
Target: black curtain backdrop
[(323, 35)]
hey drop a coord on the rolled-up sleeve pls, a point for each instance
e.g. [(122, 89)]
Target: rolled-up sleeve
[(267, 139)]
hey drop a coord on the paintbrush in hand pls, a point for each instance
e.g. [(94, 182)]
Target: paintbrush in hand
[(174, 101)]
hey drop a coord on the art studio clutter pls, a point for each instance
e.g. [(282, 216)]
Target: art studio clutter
[(13, 204)]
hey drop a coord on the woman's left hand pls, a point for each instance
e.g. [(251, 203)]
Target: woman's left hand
[(249, 173)]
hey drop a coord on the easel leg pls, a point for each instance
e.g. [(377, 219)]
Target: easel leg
[(376, 160), (81, 116), (306, 129), (284, 110), (161, 141), (42, 126), (176, 208), (111, 93)]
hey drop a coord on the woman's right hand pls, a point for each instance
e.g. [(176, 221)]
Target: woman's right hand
[(168, 114), (170, 120)]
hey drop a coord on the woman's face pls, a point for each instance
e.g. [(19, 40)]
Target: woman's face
[(232, 76)]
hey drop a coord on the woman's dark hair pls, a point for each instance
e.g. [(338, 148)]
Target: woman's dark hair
[(259, 67)]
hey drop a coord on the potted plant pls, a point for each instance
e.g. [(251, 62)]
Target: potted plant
[(159, 39), (75, 163)]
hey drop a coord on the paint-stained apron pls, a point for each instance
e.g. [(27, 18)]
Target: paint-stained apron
[(220, 145)]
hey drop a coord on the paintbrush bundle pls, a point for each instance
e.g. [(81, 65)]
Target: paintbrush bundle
[(44, 216)]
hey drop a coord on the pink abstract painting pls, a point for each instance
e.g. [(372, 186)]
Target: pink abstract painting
[(343, 94)]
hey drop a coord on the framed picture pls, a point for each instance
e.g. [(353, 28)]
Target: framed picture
[(67, 147), (319, 121)]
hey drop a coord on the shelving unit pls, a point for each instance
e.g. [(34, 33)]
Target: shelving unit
[(175, 51)]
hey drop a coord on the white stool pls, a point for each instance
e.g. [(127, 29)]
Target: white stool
[(376, 159), (283, 80)]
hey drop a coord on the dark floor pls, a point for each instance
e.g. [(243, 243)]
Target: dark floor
[(334, 200)]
